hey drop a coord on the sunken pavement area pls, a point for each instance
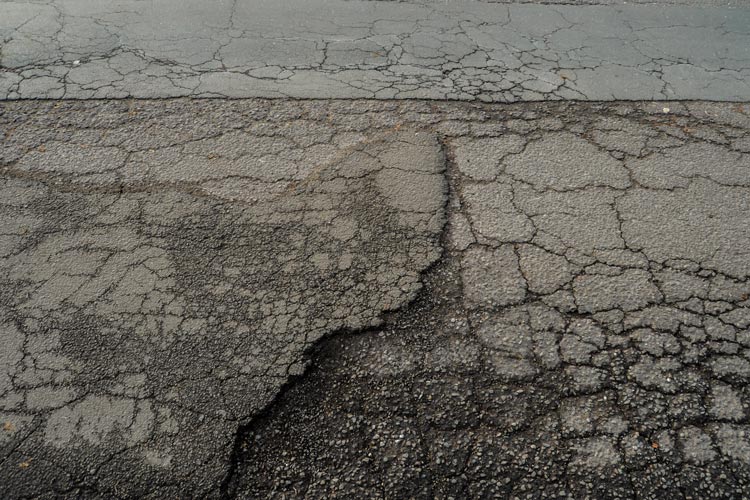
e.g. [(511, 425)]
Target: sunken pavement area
[(240, 270)]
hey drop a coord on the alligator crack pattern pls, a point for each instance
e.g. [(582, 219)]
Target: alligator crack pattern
[(385, 50), (586, 332), (156, 296)]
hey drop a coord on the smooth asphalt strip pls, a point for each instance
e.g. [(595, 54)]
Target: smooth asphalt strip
[(465, 50)]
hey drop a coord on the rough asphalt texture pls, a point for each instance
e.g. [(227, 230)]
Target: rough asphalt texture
[(167, 266), (586, 334), (374, 298), (163, 275), (462, 50)]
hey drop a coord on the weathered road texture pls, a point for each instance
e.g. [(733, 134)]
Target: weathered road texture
[(462, 50), (163, 270), (702, 3), (587, 334), (166, 265)]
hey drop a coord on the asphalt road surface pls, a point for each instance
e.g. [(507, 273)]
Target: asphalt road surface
[(374, 298), (466, 50)]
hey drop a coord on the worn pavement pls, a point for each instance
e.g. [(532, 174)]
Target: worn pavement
[(585, 331), (374, 298), (466, 50)]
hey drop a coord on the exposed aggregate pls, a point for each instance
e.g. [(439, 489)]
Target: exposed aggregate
[(585, 332)]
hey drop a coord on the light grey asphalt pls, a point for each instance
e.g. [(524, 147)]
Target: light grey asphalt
[(464, 50)]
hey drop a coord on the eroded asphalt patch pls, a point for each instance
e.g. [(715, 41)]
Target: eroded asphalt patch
[(159, 288), (167, 267)]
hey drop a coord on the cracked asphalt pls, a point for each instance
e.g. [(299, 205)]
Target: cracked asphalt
[(585, 334), (458, 50), (374, 249), (168, 267)]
